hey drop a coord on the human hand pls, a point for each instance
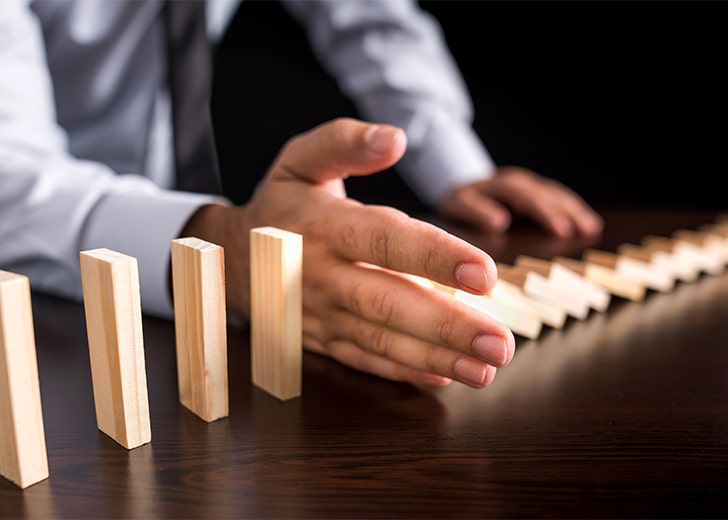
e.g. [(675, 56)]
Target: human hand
[(488, 205), (358, 306)]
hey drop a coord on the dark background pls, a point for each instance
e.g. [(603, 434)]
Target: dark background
[(623, 101)]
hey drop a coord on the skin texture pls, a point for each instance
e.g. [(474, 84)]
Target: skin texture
[(490, 205), (360, 306)]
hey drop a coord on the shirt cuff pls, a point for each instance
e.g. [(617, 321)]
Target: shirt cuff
[(142, 224), (441, 156)]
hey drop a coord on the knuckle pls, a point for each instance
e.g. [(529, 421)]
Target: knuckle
[(445, 330)]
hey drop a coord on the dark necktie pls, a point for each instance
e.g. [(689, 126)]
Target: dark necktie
[(190, 79)]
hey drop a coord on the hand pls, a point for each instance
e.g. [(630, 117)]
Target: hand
[(358, 305), (488, 204)]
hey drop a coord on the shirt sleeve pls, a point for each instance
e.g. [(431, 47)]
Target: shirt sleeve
[(391, 58), (52, 205)]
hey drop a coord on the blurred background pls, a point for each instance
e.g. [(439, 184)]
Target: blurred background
[(623, 101)]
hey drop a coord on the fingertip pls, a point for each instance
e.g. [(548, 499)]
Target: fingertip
[(386, 140)]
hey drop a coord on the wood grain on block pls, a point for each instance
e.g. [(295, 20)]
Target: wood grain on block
[(538, 287), (513, 297), (519, 323), (198, 275), (685, 252), (112, 305), (23, 455), (631, 268), (574, 284), (276, 311), (618, 285), (663, 261)]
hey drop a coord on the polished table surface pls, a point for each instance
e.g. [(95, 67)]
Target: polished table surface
[(624, 414)]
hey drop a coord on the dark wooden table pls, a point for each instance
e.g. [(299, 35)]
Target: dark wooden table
[(622, 415)]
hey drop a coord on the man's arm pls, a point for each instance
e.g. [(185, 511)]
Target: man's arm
[(53, 205)]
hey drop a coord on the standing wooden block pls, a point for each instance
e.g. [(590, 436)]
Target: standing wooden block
[(519, 323), (513, 297), (710, 243), (685, 252), (198, 277), (23, 456), (276, 260), (116, 346), (663, 261)]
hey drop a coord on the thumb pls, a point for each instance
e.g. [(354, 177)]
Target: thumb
[(340, 148)]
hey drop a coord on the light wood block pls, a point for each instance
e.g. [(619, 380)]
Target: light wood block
[(519, 323), (595, 296), (513, 297), (276, 258), (539, 288), (198, 275), (686, 252), (618, 285), (23, 455), (630, 268), (112, 304), (663, 261), (711, 243)]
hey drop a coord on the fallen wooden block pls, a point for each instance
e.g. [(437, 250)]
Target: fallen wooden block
[(689, 253), (663, 261), (198, 275), (609, 279), (630, 268), (519, 323), (538, 287), (594, 295), (112, 304), (23, 455)]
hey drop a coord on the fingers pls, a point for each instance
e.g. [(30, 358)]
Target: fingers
[(340, 148), (393, 316), (468, 205)]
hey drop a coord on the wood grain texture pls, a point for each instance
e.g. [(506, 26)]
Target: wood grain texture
[(23, 455), (276, 258), (198, 276), (116, 345)]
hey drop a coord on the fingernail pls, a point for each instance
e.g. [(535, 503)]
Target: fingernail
[(380, 138), (470, 371), (491, 348), (472, 275)]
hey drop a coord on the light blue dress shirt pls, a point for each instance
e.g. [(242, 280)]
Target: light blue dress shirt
[(85, 134)]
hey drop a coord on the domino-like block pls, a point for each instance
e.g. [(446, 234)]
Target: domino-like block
[(596, 297), (23, 456), (198, 276), (631, 268), (538, 287), (513, 297), (519, 323), (112, 304), (276, 279), (712, 244), (609, 279), (686, 252), (663, 261)]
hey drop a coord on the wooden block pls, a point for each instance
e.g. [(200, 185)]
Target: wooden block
[(198, 274), (276, 258), (686, 252), (112, 304), (609, 279), (513, 297), (539, 288), (630, 268), (519, 323), (663, 261), (712, 244), (23, 455), (595, 296)]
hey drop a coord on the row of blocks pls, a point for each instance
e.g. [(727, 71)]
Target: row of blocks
[(533, 293), (112, 305)]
